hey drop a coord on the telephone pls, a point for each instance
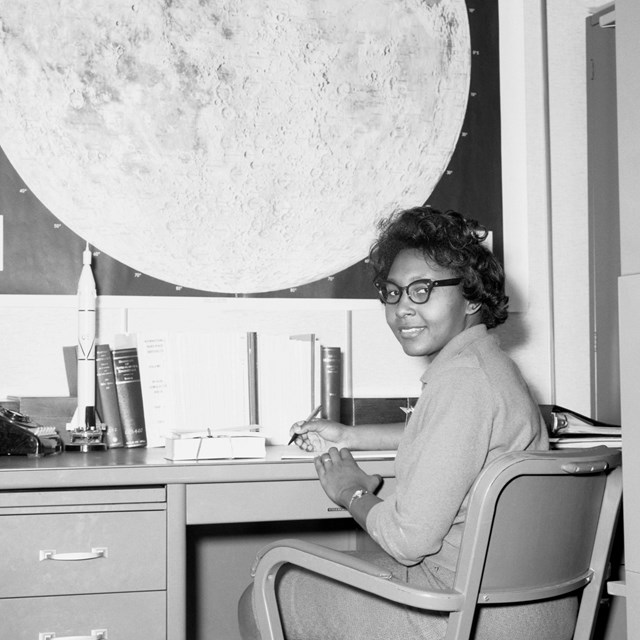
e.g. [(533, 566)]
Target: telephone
[(21, 436)]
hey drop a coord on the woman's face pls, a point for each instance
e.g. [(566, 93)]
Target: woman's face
[(424, 329)]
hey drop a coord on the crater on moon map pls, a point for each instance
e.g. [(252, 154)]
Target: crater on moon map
[(232, 146)]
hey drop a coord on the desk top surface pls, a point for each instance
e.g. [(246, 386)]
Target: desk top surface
[(143, 466)]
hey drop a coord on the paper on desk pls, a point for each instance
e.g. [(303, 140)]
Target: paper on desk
[(215, 445), (383, 454)]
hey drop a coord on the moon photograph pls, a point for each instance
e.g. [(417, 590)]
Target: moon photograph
[(232, 146)]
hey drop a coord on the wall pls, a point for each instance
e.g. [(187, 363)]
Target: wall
[(628, 93), (549, 342), (569, 200)]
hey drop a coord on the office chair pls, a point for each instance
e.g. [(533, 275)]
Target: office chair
[(539, 525)]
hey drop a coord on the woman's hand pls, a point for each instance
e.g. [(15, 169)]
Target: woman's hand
[(340, 476), (319, 435)]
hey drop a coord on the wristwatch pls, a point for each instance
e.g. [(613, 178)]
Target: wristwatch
[(356, 496)]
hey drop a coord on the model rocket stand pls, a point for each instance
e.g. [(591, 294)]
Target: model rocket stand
[(88, 438)]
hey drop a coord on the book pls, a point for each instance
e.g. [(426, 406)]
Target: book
[(567, 423), (286, 382), (107, 398), (156, 385), (214, 445), (127, 378), (252, 366), (331, 382), (211, 378)]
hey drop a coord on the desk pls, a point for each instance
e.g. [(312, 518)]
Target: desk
[(142, 504)]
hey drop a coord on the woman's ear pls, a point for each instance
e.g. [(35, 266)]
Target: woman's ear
[(473, 307)]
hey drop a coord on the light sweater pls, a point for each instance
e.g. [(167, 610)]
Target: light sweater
[(474, 406)]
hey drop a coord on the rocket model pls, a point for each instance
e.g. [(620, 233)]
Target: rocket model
[(86, 354)]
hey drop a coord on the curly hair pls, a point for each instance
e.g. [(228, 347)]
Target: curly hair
[(450, 241)]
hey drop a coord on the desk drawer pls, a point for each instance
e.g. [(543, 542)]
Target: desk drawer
[(125, 616), (135, 556), (77, 499), (263, 501)]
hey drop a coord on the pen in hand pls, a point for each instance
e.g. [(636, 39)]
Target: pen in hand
[(310, 417)]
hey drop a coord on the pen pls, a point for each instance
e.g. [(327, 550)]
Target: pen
[(310, 417)]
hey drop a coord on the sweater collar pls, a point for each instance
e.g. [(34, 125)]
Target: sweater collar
[(457, 344)]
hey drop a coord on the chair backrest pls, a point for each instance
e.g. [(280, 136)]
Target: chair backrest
[(540, 525)]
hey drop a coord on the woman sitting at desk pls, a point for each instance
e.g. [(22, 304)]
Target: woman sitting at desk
[(442, 290)]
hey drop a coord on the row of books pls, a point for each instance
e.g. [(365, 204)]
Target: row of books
[(160, 386), (570, 430)]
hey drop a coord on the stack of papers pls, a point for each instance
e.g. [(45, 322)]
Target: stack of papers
[(215, 445), (585, 443)]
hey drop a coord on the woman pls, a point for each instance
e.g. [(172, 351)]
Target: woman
[(442, 290)]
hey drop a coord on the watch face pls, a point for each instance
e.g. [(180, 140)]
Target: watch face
[(356, 495)]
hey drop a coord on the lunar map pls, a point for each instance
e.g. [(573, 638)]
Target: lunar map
[(232, 146)]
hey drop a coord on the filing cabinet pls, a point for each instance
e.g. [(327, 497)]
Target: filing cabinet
[(83, 564)]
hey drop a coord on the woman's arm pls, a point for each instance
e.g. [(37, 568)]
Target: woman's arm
[(370, 437), (321, 435)]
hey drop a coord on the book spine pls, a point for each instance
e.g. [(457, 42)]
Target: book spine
[(107, 397), (127, 376), (330, 382), (252, 360)]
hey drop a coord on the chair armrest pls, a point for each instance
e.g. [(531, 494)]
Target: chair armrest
[(322, 552), (349, 570)]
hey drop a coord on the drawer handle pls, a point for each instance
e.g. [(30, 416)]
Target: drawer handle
[(96, 634), (96, 552)]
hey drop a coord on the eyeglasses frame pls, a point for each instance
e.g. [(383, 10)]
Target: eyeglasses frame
[(430, 284)]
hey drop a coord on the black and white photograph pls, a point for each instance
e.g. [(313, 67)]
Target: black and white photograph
[(319, 319)]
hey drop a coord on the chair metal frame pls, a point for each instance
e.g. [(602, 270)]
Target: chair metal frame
[(540, 525)]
